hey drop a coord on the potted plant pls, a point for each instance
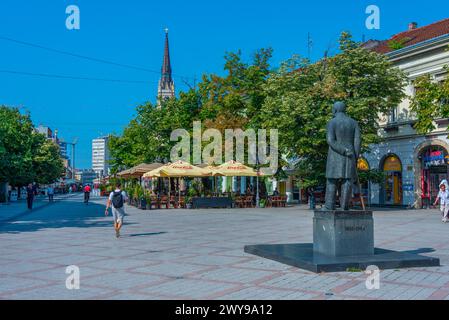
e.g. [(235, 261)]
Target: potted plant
[(141, 198), (189, 197), (136, 196), (148, 199), (262, 203), (103, 192)]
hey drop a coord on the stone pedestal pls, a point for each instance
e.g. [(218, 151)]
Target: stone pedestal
[(343, 233), (341, 240)]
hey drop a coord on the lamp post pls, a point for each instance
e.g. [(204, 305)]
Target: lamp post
[(257, 181)]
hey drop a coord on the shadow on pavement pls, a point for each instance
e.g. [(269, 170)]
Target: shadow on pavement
[(71, 213), (421, 250), (147, 234)]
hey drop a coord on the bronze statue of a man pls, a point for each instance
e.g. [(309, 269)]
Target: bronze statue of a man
[(343, 137)]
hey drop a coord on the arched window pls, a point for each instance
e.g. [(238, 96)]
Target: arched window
[(392, 163)]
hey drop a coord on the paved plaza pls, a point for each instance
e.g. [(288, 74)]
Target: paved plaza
[(198, 254)]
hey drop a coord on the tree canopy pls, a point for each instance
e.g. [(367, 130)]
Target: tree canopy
[(430, 102), (296, 99), (300, 96), (25, 155), (221, 102)]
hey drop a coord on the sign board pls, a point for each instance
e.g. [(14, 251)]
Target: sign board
[(435, 158)]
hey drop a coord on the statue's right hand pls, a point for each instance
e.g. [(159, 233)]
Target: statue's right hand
[(349, 153)]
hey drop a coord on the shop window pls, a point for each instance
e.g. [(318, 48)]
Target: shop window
[(393, 180), (434, 169)]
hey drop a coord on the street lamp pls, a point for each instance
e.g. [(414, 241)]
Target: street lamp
[(73, 144), (257, 181)]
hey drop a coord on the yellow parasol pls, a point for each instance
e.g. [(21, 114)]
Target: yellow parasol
[(235, 169), (180, 169)]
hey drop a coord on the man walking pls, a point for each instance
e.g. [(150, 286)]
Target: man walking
[(50, 193), (30, 196), (116, 201)]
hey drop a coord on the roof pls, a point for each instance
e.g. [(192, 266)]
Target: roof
[(411, 37)]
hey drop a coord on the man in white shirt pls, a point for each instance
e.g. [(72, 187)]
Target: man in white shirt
[(50, 193), (443, 196), (117, 201)]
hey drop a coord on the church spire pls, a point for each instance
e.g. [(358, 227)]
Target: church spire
[(166, 88)]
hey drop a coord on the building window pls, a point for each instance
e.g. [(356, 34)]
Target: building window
[(393, 116)]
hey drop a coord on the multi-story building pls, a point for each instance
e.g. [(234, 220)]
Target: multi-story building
[(53, 136), (63, 149), (166, 87), (414, 164), (46, 131), (86, 176), (100, 156)]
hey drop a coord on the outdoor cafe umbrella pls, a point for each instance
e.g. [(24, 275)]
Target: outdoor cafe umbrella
[(181, 169), (178, 169), (139, 170), (235, 169)]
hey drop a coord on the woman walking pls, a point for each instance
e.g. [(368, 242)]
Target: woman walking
[(443, 197)]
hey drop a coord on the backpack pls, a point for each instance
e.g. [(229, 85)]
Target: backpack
[(117, 200)]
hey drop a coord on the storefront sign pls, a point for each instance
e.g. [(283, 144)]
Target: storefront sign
[(392, 164), (435, 158)]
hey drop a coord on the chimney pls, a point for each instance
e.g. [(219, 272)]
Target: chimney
[(412, 26)]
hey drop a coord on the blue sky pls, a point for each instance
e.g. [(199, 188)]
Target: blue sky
[(131, 32)]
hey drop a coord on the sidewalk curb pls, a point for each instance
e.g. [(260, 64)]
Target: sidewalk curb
[(27, 212)]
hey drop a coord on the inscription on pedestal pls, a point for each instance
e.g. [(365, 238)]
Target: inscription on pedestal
[(343, 233)]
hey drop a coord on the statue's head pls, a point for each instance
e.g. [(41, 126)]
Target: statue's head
[(339, 107)]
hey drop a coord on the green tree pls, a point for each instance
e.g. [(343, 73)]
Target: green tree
[(26, 156), (47, 162), (430, 102), (16, 158), (239, 93), (147, 137), (221, 102), (300, 96)]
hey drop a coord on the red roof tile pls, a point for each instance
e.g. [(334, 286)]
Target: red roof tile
[(411, 37)]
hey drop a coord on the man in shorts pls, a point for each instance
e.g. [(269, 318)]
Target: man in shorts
[(116, 201)]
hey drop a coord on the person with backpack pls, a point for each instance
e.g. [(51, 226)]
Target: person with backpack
[(116, 201)]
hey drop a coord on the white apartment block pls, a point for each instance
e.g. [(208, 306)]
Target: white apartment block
[(100, 156)]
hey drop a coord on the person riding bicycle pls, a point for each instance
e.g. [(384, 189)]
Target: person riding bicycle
[(87, 190)]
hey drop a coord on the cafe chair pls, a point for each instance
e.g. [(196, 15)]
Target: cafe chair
[(164, 202)]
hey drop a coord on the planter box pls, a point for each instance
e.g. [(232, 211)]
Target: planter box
[(142, 204)]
